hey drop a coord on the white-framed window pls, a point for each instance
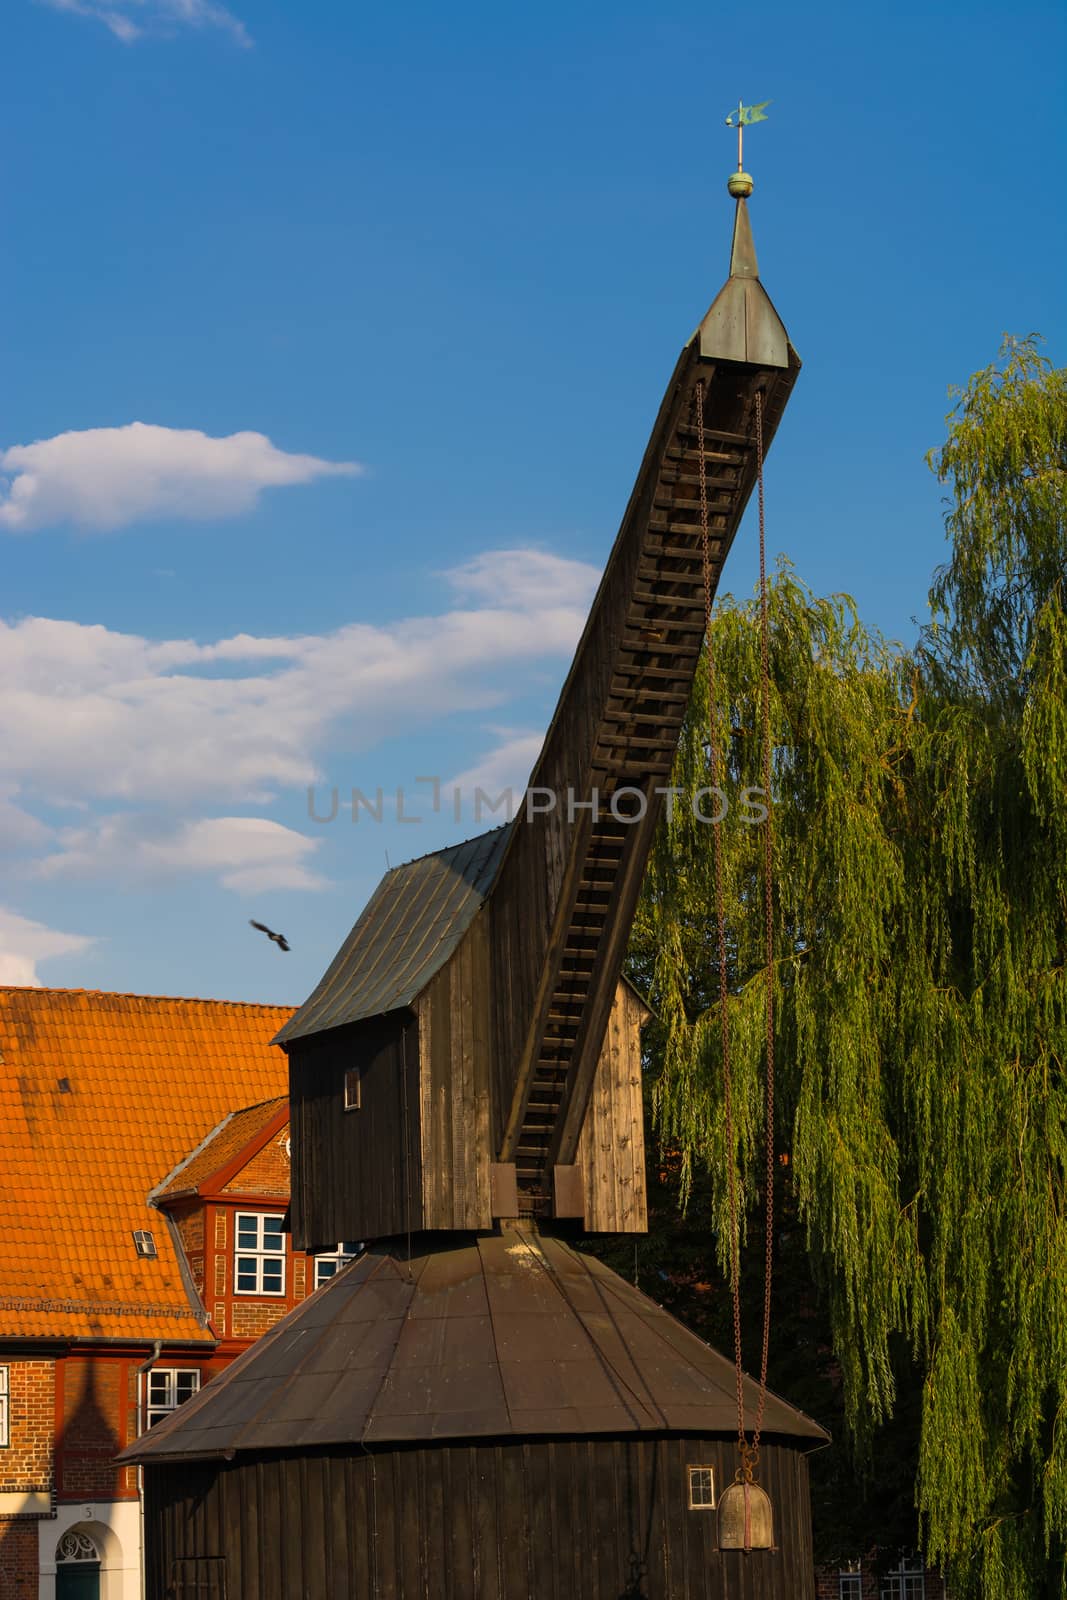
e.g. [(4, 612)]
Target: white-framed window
[(330, 1262), (353, 1088), (259, 1253), (850, 1582), (5, 1406), (701, 1488), (906, 1581), (169, 1388)]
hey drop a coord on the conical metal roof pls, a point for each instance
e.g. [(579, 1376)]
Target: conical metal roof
[(742, 324), (512, 1334)]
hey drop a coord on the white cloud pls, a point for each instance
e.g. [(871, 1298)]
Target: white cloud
[(506, 769), (527, 579), (247, 854), (90, 716), (18, 829), (106, 478), (23, 943), (130, 20), (88, 713)]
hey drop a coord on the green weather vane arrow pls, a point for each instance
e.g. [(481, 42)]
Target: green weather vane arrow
[(740, 184)]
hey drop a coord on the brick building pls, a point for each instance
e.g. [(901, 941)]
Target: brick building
[(898, 1578), (142, 1247)]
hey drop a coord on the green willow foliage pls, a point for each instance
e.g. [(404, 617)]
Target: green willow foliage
[(920, 816)]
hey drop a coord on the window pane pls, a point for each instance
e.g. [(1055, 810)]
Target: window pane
[(272, 1277), (247, 1233), (159, 1387), (246, 1274), (324, 1269), (701, 1488), (186, 1385), (273, 1237)]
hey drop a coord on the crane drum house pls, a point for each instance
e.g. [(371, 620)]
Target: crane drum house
[(474, 1409)]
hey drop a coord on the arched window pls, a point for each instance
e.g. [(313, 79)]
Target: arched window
[(76, 1546)]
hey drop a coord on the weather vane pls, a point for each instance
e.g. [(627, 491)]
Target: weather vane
[(740, 184)]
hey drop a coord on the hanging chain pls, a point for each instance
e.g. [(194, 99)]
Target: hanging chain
[(768, 914), (749, 1453), (720, 919)]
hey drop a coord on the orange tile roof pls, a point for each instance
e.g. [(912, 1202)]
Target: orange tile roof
[(234, 1134), (100, 1096)]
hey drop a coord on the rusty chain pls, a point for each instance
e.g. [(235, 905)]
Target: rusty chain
[(720, 918), (749, 1453)]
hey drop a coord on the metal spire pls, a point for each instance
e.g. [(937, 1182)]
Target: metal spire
[(742, 324), (740, 183)]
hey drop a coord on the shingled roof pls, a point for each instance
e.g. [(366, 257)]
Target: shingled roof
[(100, 1096), (407, 931), (238, 1137), (510, 1335)]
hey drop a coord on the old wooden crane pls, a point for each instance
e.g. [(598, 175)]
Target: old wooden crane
[(474, 1409)]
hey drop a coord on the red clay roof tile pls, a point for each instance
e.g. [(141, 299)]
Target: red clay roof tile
[(149, 1077)]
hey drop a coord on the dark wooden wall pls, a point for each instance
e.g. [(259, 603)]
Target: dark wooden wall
[(356, 1174), (589, 1519), (417, 1153), (453, 1012)]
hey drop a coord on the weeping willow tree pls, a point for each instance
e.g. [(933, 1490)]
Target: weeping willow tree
[(920, 941)]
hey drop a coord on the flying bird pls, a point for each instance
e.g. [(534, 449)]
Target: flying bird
[(279, 938)]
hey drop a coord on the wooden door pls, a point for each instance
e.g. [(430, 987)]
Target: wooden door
[(78, 1580)]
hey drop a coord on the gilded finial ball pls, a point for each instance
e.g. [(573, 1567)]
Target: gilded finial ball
[(740, 185)]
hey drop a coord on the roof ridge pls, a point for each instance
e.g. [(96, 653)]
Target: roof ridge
[(129, 994), (445, 848)]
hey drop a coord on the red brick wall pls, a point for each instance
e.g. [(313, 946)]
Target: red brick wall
[(253, 1317), (267, 1174), (27, 1462), (18, 1559), (92, 1428), (191, 1230), (303, 1278)]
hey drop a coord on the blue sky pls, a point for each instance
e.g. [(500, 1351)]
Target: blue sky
[(393, 293)]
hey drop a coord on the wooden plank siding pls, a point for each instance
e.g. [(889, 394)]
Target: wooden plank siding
[(352, 1177), (356, 1174), (611, 1150), (567, 1519), (453, 1013)]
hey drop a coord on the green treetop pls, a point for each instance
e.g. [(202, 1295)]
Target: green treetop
[(920, 817)]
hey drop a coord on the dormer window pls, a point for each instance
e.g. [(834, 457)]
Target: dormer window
[(353, 1089), (259, 1257)]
